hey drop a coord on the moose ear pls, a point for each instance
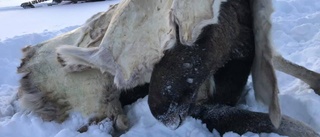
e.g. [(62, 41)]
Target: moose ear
[(263, 74), (75, 59)]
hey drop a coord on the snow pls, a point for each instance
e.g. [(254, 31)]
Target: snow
[(296, 34)]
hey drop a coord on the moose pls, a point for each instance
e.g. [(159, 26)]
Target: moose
[(196, 59)]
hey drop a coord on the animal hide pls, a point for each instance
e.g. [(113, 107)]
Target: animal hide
[(50, 92), (137, 37), (191, 16), (263, 74), (134, 41)]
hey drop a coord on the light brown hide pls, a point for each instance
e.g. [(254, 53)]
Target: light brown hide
[(50, 92)]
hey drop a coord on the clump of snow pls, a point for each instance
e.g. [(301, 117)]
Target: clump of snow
[(187, 65), (7, 107), (296, 35), (190, 80), (28, 125)]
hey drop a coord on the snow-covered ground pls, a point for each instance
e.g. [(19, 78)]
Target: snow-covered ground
[(296, 36)]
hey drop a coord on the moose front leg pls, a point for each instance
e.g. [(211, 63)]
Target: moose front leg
[(310, 77)]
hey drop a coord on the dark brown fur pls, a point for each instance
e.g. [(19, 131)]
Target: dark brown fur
[(28, 52), (224, 50)]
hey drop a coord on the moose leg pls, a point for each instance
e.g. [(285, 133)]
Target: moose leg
[(231, 80), (225, 118), (310, 77)]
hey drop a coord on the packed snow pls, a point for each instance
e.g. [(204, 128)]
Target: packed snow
[(296, 33)]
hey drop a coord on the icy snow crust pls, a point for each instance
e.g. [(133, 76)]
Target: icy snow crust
[(296, 34)]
